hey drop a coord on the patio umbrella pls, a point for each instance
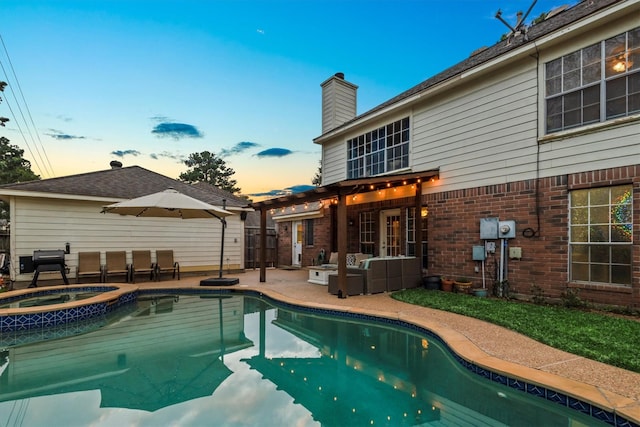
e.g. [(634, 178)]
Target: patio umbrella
[(173, 204), (166, 204)]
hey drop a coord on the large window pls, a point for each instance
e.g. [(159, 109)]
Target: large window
[(308, 235), (367, 233), (601, 235), (411, 234), (594, 84), (382, 150)]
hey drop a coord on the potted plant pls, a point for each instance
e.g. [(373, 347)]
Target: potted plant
[(447, 284), (431, 282), (479, 292), (463, 285)]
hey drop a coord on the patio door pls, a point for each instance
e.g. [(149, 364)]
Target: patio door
[(296, 239), (390, 233)]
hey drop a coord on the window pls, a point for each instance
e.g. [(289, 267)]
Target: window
[(308, 236), (601, 235), (367, 232), (594, 84), (382, 150), (411, 234)]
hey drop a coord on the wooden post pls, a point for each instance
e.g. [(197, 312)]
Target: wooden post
[(417, 220), (263, 244), (342, 246)]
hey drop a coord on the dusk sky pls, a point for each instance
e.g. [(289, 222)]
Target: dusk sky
[(150, 82)]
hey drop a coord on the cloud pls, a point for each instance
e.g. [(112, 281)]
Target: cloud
[(168, 155), (275, 152), (284, 192), (176, 130), (260, 31), (64, 118), (122, 153), (58, 134), (238, 148)]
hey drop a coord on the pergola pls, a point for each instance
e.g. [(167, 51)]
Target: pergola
[(339, 192)]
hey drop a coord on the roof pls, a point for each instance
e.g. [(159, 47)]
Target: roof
[(532, 33), (121, 184)]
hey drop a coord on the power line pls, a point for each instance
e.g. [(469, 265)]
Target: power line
[(49, 169)]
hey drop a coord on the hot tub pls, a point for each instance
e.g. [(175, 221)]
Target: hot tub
[(58, 305)]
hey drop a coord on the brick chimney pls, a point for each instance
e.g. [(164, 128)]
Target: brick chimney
[(339, 102)]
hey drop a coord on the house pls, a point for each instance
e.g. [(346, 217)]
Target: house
[(518, 167), (65, 213)]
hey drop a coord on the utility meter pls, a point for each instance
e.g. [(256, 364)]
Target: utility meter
[(507, 229)]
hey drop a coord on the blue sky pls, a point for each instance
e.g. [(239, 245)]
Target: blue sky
[(150, 82)]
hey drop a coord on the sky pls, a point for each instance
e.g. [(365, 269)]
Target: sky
[(149, 82)]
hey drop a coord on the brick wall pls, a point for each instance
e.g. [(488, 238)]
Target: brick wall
[(454, 223)]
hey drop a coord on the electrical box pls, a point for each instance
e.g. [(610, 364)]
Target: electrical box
[(489, 228), (26, 264), (515, 252), (507, 229), (478, 253), (490, 247)]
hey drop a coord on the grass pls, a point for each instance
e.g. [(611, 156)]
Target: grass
[(609, 339)]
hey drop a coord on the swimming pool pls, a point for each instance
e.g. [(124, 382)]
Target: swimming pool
[(237, 359)]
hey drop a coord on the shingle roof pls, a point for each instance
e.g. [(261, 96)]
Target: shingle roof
[(534, 32), (125, 183)]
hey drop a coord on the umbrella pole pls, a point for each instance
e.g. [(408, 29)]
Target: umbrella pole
[(224, 225), (219, 281)]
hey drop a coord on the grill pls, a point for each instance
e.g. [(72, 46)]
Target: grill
[(48, 260)]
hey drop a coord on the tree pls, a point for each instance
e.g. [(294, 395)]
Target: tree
[(14, 168), (317, 178), (206, 167)]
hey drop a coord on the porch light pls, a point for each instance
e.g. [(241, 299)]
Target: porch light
[(424, 212)]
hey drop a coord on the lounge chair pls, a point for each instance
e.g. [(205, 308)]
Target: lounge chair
[(89, 266), (166, 264), (116, 265), (141, 264)]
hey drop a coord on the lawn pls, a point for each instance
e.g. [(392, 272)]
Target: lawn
[(613, 340)]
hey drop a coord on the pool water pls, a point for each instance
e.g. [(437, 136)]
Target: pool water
[(234, 360), (52, 299)]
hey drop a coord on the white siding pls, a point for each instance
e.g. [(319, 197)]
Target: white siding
[(485, 135), (334, 162), (486, 126), (49, 224)]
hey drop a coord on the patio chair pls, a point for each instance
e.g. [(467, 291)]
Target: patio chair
[(116, 265), (89, 266), (141, 264), (165, 263)]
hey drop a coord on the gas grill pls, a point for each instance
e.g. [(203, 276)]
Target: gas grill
[(48, 260)]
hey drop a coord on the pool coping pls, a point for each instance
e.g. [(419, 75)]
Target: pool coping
[(613, 408)]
